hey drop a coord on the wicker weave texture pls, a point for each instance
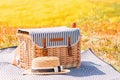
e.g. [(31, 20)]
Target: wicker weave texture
[(30, 50)]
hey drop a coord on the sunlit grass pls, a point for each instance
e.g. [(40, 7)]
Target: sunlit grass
[(56, 13), (98, 20)]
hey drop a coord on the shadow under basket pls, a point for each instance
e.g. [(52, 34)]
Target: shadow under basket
[(69, 55)]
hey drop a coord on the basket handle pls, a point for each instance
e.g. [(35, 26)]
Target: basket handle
[(69, 47)]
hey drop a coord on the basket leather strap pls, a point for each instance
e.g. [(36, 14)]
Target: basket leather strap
[(45, 50), (69, 47), (56, 39)]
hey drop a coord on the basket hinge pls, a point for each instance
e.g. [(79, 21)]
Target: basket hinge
[(45, 50), (69, 47)]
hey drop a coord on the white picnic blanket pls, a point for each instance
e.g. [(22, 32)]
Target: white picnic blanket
[(92, 68)]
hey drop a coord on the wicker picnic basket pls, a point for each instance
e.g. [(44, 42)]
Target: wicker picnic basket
[(49, 42)]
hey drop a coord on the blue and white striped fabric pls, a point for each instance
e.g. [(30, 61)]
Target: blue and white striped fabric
[(38, 34)]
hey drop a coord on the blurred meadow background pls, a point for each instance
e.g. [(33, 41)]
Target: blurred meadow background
[(98, 20)]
